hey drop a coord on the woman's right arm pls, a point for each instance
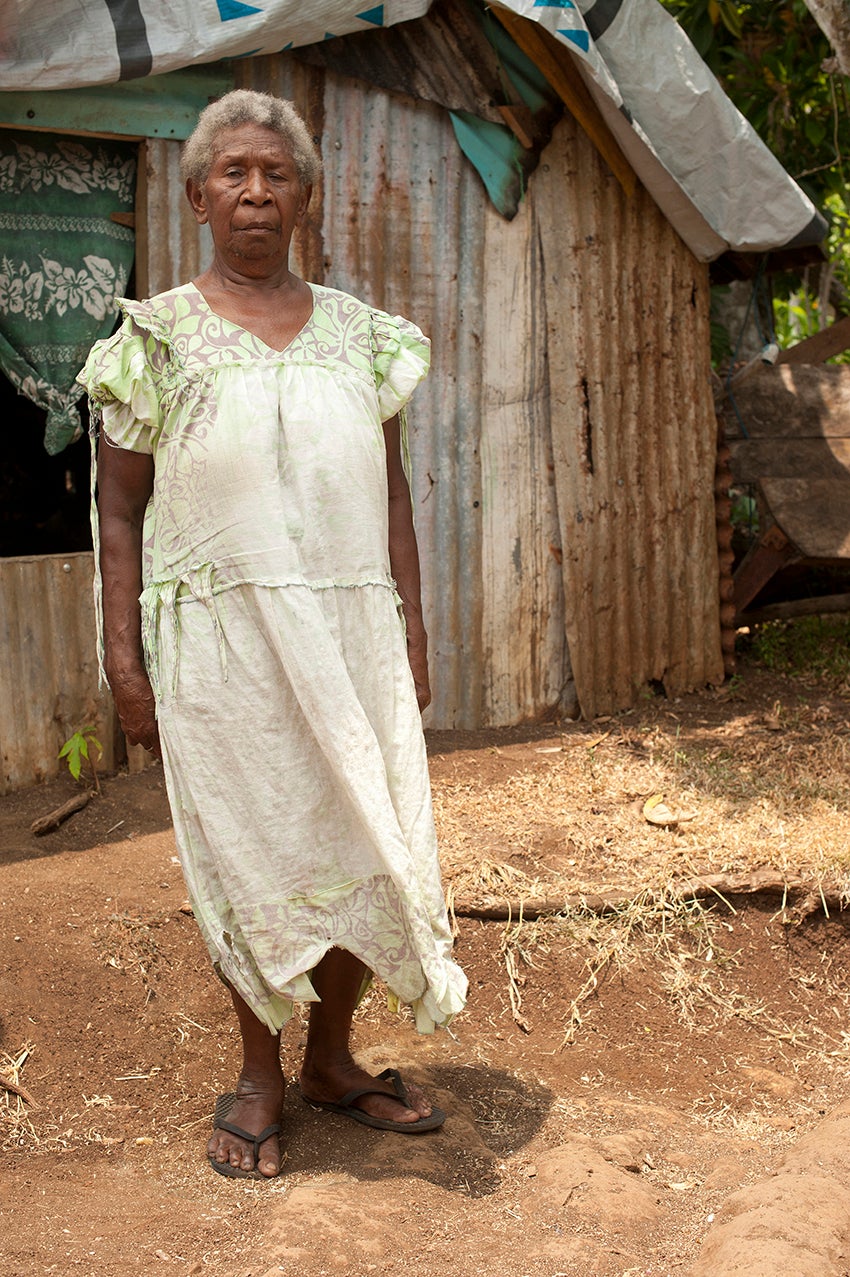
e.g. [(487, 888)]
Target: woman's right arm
[(125, 483)]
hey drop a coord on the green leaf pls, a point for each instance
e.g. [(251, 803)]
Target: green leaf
[(814, 131), (731, 18), (76, 748)]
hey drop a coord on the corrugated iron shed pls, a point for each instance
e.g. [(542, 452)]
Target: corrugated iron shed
[(634, 435), (563, 447)]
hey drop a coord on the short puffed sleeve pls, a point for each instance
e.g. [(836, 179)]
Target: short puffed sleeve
[(401, 357), (121, 379)]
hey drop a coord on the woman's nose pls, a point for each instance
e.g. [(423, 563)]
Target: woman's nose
[(256, 190)]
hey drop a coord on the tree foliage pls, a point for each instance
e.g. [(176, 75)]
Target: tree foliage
[(777, 66)]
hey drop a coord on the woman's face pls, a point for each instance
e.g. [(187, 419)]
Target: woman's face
[(252, 198)]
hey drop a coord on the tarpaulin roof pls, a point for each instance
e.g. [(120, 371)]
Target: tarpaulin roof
[(707, 169)]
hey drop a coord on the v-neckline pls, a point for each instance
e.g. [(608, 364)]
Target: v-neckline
[(254, 336)]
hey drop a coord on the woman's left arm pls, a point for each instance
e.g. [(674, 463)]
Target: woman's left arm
[(404, 561)]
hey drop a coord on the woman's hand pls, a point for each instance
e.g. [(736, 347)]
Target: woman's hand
[(417, 655), (136, 708), (125, 483)]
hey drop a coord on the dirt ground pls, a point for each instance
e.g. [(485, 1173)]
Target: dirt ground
[(661, 1089)]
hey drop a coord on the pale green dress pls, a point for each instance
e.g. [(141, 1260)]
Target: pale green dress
[(291, 738)]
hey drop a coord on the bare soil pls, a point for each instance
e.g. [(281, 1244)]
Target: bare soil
[(660, 1090)]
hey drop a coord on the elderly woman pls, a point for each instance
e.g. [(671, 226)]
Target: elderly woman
[(263, 630)]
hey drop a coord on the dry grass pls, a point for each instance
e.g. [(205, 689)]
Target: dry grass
[(16, 1127), (754, 790), (561, 818), (685, 944)]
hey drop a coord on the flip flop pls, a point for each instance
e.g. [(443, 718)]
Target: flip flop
[(347, 1108), (223, 1105)]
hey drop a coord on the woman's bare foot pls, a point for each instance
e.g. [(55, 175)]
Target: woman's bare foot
[(257, 1105), (328, 1083), (329, 1073)]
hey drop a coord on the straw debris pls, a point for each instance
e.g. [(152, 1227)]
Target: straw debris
[(16, 1128)]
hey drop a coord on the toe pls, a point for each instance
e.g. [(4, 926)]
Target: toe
[(268, 1163), (216, 1150), (418, 1101)]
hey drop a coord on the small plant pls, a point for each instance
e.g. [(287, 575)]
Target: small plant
[(77, 747), (808, 646)]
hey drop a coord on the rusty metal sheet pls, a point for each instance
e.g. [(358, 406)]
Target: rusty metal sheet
[(171, 247), (403, 229), (634, 434), (459, 56), (48, 674), (443, 57), (525, 663)]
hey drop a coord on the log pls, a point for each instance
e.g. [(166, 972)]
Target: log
[(709, 886), (46, 824), (813, 513), (827, 605), (799, 458)]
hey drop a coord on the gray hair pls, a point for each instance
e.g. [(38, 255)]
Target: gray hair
[(244, 106)]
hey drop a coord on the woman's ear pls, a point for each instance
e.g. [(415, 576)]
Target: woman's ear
[(306, 192), (195, 196)]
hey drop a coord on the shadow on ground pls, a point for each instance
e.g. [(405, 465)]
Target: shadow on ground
[(491, 1113)]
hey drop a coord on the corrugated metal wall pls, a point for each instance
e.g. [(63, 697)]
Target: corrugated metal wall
[(633, 430), (47, 640), (567, 416), (171, 247), (524, 665)]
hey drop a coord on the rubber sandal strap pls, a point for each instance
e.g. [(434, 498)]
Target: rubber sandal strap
[(350, 1096), (393, 1075), (388, 1075), (256, 1140)]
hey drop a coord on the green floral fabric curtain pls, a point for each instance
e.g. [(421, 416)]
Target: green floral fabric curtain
[(63, 261)]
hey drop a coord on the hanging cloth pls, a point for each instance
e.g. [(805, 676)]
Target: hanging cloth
[(63, 261)]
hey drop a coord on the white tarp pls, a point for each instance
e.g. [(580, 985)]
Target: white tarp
[(65, 44), (705, 166), (698, 156)]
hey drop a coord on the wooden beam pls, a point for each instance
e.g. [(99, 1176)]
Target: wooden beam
[(814, 350), (142, 264), (826, 605), (772, 552), (556, 63), (520, 122)]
